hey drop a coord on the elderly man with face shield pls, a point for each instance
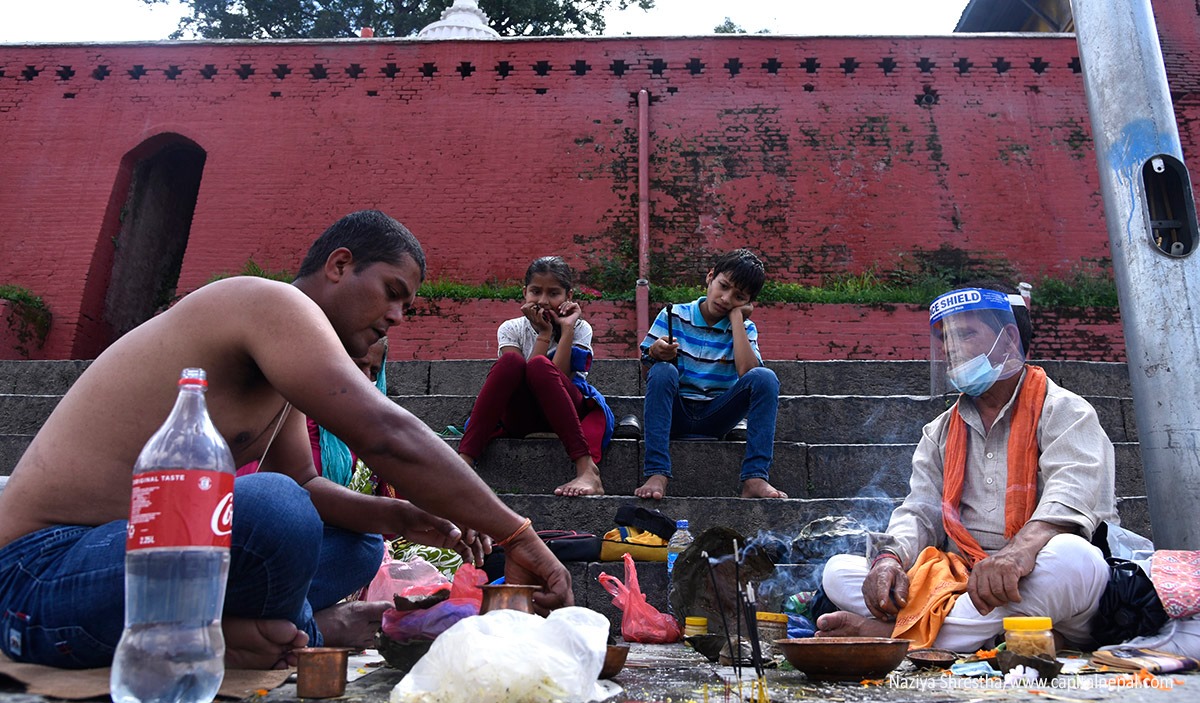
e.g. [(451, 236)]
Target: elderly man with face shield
[(1007, 487)]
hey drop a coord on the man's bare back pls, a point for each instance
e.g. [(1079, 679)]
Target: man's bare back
[(266, 345), (93, 437)]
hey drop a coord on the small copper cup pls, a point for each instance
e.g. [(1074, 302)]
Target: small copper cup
[(507, 596), (321, 672)]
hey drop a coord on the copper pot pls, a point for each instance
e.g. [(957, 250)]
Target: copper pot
[(507, 596), (321, 672)]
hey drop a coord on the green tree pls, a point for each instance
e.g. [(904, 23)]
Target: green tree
[(309, 19), (728, 27)]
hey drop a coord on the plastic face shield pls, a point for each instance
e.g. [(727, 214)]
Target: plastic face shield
[(974, 341)]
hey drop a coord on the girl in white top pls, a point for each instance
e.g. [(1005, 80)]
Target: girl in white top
[(539, 382)]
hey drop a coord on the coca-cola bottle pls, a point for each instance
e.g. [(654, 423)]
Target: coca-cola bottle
[(177, 559)]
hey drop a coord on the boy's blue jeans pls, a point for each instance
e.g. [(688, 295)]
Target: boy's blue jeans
[(666, 414), (62, 589)]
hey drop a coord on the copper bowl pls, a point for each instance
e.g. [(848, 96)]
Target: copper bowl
[(932, 658), (844, 658), (507, 596), (614, 660)]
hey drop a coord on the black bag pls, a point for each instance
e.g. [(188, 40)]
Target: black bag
[(645, 519), (1130, 606), (567, 545)]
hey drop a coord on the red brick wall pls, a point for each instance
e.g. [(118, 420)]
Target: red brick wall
[(828, 155), (443, 329)]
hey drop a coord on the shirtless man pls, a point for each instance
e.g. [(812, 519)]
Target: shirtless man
[(266, 346)]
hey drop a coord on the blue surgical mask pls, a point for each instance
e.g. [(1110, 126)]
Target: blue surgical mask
[(976, 375)]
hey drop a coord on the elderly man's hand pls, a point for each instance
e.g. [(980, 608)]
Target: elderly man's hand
[(885, 589), (993, 581)]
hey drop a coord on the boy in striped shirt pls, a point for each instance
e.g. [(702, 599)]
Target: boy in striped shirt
[(705, 373)]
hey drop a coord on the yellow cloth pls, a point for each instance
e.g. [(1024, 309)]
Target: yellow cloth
[(639, 544), (934, 584)]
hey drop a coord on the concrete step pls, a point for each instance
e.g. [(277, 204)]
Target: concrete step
[(623, 377), (710, 468), (748, 516), (705, 468), (814, 419)]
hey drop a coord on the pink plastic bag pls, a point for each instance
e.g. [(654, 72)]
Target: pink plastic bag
[(641, 622), (414, 577)]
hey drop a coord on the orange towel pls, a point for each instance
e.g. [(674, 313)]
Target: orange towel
[(1021, 494), (934, 584)]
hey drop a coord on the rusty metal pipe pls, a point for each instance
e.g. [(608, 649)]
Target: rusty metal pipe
[(642, 297)]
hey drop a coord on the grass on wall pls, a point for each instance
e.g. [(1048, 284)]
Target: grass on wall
[(918, 279), (30, 319)]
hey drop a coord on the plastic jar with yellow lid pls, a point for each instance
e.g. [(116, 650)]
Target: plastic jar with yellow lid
[(771, 627), (1029, 636), (694, 626)]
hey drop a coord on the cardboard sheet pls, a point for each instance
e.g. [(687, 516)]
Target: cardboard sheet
[(76, 684)]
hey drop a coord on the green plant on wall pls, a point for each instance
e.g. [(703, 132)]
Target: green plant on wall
[(29, 319), (252, 268), (918, 277)]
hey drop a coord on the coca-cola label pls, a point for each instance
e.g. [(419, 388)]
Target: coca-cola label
[(181, 508)]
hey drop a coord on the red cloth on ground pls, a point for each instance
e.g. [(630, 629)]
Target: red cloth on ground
[(520, 397)]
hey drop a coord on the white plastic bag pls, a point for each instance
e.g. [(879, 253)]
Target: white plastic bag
[(508, 657)]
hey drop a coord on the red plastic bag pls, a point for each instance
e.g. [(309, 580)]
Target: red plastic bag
[(640, 622), (466, 585)]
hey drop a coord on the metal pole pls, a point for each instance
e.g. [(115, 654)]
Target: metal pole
[(642, 295), (1151, 217)]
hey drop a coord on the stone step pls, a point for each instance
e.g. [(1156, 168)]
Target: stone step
[(623, 377), (815, 419), (704, 468), (784, 517)]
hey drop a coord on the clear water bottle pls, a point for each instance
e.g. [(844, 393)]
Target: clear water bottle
[(681, 540), (177, 559)]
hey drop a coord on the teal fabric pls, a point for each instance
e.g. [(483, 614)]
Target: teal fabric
[(337, 462)]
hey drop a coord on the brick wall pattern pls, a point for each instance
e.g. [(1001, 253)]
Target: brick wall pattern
[(828, 155)]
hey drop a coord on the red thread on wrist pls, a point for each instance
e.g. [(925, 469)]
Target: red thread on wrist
[(885, 555), (524, 526)]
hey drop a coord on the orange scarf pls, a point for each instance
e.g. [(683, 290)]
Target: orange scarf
[(1021, 493), (934, 584)]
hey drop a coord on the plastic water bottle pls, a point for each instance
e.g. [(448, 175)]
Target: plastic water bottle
[(177, 559), (681, 540)]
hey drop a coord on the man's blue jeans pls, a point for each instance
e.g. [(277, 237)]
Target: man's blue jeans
[(62, 589), (667, 414)]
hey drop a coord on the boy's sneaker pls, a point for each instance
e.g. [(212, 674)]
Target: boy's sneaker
[(628, 428), (738, 433)]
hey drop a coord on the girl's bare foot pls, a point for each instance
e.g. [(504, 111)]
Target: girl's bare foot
[(846, 624), (352, 624), (759, 488), (586, 483), (260, 644), (655, 488)]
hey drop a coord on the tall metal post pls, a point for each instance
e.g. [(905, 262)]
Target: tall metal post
[(1151, 216)]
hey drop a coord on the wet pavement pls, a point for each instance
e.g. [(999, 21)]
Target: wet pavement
[(676, 674)]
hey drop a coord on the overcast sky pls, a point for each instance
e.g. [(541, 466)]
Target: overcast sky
[(24, 21)]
